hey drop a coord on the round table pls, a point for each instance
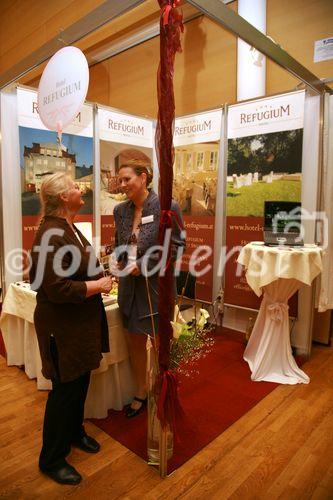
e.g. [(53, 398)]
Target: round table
[(277, 272)]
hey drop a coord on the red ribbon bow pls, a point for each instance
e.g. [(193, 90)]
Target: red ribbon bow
[(166, 223), (167, 10), (166, 218)]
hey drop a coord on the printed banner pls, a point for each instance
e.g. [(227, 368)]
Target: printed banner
[(28, 115), (194, 129), (125, 129), (41, 155), (265, 116), (122, 138), (264, 163), (194, 188)]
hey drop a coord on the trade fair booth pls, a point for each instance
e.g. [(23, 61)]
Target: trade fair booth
[(228, 162)]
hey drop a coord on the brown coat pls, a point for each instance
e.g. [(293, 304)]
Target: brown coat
[(77, 323)]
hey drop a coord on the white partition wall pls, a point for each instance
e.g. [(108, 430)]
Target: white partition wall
[(11, 188), (302, 332), (325, 300)]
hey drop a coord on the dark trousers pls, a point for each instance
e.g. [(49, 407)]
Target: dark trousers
[(63, 420)]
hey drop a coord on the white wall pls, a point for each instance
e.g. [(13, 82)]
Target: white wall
[(11, 187)]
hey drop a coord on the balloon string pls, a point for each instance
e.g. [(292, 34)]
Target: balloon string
[(59, 137)]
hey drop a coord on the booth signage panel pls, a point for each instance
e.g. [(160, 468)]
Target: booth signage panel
[(196, 140), (205, 127), (264, 163), (41, 155), (264, 116), (28, 115), (123, 138), (125, 129)]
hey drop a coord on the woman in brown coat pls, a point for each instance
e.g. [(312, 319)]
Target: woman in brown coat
[(70, 323)]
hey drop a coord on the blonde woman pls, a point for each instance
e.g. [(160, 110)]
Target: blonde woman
[(137, 226), (70, 323)]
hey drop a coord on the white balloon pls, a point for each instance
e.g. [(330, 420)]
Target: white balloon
[(63, 88)]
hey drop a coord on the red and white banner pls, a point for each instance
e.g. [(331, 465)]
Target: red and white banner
[(123, 137), (196, 140), (264, 163)]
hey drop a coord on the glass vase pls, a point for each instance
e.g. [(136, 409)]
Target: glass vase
[(154, 425)]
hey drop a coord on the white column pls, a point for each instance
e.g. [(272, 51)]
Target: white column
[(251, 65)]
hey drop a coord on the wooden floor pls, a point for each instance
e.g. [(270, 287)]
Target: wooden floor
[(282, 448)]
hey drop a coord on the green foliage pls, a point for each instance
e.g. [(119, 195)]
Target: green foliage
[(249, 200), (193, 344), (278, 151)]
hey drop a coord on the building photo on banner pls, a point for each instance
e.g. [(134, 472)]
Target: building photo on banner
[(265, 142), (42, 155)]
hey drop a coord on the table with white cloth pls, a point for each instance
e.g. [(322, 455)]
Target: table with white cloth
[(277, 272), (111, 385)]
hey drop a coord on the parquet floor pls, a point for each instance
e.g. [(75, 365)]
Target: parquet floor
[(282, 448)]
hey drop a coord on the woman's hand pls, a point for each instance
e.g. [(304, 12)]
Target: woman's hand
[(133, 269), (114, 268), (105, 284)]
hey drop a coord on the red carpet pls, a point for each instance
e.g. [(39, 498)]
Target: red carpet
[(213, 400)]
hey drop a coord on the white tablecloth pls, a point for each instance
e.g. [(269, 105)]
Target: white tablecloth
[(278, 273), (111, 385)]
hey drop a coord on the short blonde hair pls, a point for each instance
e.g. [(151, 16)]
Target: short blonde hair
[(51, 188)]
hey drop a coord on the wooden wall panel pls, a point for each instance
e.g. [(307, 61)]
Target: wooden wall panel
[(25, 25), (205, 73), (296, 25)]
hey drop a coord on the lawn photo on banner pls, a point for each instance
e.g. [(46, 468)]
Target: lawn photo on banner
[(263, 167)]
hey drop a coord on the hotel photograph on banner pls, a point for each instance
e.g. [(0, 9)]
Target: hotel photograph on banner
[(265, 140), (123, 139), (196, 141), (42, 155)]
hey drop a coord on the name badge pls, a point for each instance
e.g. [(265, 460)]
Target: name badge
[(147, 219)]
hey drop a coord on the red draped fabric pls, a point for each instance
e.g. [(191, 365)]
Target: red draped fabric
[(171, 27)]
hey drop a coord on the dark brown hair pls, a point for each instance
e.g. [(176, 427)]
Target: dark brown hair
[(139, 168)]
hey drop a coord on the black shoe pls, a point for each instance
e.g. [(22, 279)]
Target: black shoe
[(88, 444), (132, 412), (66, 474)]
